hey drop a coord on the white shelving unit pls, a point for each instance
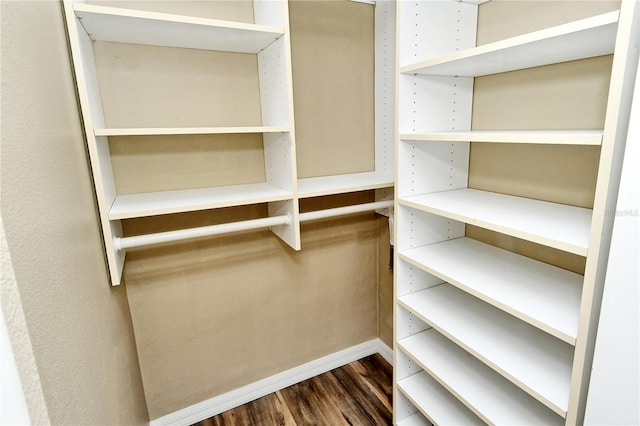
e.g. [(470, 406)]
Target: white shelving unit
[(267, 38), (502, 338)]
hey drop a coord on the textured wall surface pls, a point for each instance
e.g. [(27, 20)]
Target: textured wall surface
[(79, 327)]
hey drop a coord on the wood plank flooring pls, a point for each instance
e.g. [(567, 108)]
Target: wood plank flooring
[(358, 393)]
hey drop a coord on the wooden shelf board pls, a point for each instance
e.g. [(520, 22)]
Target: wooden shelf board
[(585, 38), (338, 184), (162, 29), (545, 296), (549, 137), (554, 225), (535, 361), (494, 399), (151, 131), (435, 402), (166, 202)]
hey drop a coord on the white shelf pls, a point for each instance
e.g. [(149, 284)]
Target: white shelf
[(162, 29), (554, 225), (545, 296), (166, 202), (550, 137), (415, 419), (487, 394), (535, 361), (435, 402), (581, 39), (158, 131), (338, 184)]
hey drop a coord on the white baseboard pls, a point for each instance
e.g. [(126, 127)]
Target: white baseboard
[(211, 407)]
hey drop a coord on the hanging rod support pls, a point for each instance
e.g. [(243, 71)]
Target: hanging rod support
[(341, 211), (123, 243)]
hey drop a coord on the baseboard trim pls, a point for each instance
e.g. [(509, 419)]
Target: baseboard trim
[(211, 407)]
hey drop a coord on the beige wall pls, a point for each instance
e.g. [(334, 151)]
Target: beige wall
[(332, 44), (216, 314), (571, 95), (79, 327)]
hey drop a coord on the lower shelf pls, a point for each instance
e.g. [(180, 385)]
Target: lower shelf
[(167, 202), (494, 399), (533, 360), (416, 419), (438, 405)]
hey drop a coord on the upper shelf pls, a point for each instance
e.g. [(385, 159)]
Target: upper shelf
[(167, 202), (554, 225), (549, 137), (338, 184), (585, 38), (148, 131), (162, 29)]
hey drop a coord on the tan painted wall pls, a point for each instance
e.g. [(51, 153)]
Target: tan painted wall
[(79, 327), (216, 314), (332, 42), (569, 95)]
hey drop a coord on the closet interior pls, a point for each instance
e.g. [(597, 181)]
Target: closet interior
[(489, 132)]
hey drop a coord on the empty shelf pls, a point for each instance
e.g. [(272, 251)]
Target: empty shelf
[(416, 419), (535, 361), (339, 184), (545, 296), (435, 402), (551, 224), (550, 137), (586, 38), (153, 131), (163, 29), (485, 392), (166, 202)]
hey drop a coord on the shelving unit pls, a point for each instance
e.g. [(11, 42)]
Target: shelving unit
[(506, 337), (268, 40)]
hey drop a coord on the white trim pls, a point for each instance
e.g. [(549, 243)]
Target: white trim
[(216, 405)]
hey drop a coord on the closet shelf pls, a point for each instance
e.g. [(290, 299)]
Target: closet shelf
[(586, 38), (162, 29), (338, 184), (540, 294), (166, 202), (550, 137), (555, 225), (439, 406), (485, 393), (158, 131), (536, 362), (415, 419)]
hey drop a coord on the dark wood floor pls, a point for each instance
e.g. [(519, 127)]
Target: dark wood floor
[(358, 393)]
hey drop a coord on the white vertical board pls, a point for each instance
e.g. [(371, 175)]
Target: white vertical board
[(621, 88), (274, 84), (416, 228), (98, 147), (385, 76), (431, 167), (434, 103), (271, 12), (446, 21), (412, 279), (290, 233), (614, 390)]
